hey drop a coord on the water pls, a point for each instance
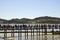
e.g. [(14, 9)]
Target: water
[(35, 37)]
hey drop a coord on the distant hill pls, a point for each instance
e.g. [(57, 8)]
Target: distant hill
[(45, 19), (2, 20)]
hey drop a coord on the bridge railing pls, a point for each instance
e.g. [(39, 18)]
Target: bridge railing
[(34, 30)]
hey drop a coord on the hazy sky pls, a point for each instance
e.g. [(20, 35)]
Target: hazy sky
[(29, 8)]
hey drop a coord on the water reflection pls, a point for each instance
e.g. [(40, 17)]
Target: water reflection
[(33, 37)]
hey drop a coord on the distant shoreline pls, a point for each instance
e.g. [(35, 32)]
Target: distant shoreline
[(45, 19)]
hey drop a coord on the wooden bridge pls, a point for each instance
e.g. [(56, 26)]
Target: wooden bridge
[(39, 29)]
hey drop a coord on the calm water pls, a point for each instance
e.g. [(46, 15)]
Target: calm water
[(44, 37)]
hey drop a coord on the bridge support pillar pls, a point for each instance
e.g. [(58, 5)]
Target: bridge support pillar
[(5, 35)]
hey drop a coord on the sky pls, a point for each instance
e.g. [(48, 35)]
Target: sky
[(29, 8)]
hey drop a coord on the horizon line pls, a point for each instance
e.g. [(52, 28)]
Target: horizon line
[(26, 17)]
